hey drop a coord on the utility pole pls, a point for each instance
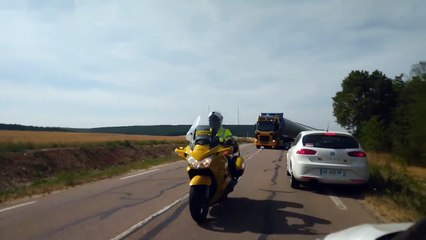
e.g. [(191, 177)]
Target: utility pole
[(238, 115)]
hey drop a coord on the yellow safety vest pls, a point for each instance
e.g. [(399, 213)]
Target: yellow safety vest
[(224, 134)]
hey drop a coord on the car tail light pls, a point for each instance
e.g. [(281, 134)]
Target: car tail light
[(357, 154), (357, 181), (306, 152)]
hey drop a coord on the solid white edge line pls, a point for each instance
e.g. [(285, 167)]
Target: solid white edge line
[(148, 219), (258, 151), (139, 174), (338, 203), (16, 206)]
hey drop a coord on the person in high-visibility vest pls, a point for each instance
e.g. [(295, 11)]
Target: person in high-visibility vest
[(215, 123), (225, 137)]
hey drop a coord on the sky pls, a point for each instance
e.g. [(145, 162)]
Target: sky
[(87, 64)]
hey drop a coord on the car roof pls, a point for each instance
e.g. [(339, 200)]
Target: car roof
[(323, 131)]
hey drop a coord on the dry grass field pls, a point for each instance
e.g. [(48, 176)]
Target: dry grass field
[(73, 137), (383, 158), (392, 205)]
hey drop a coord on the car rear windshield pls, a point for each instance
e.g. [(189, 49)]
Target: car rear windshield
[(330, 141)]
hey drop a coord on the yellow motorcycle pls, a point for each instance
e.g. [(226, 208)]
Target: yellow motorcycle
[(210, 177)]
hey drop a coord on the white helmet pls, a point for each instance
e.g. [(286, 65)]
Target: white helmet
[(215, 120)]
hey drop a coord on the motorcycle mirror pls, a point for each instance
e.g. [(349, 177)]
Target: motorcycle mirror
[(180, 152)]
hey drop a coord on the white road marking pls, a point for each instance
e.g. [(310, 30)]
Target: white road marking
[(340, 205), (153, 170), (258, 151), (17, 206), (148, 219)]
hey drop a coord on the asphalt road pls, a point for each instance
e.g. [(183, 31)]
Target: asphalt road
[(153, 204)]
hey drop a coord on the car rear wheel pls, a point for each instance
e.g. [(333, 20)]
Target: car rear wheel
[(294, 183)]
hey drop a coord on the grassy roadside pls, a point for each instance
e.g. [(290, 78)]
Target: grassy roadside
[(396, 193), (68, 179), (42, 162)]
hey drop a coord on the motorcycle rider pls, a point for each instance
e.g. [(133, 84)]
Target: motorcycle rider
[(215, 123), (225, 138)]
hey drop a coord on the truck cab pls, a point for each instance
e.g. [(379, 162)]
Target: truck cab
[(269, 130)]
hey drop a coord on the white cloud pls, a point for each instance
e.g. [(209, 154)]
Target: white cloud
[(98, 63)]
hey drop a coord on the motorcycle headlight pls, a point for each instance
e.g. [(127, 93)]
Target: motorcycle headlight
[(205, 163)]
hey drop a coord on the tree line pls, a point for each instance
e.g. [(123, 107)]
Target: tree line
[(18, 127), (386, 115), (167, 130), (156, 130)]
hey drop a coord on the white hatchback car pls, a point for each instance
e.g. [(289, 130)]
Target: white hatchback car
[(326, 157)]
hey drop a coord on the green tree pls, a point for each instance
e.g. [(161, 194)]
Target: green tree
[(363, 96), (416, 111), (373, 136), (409, 124), (401, 125), (418, 70)]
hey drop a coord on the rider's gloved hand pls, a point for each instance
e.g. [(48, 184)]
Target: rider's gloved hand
[(229, 142)]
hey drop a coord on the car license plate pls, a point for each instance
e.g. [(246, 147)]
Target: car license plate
[(332, 172)]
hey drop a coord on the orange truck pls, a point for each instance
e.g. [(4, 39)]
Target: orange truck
[(270, 131)]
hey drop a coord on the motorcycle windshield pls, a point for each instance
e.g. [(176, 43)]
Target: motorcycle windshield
[(203, 135), (199, 132), (191, 132)]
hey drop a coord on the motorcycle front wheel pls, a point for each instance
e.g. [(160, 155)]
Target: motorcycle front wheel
[(199, 202)]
